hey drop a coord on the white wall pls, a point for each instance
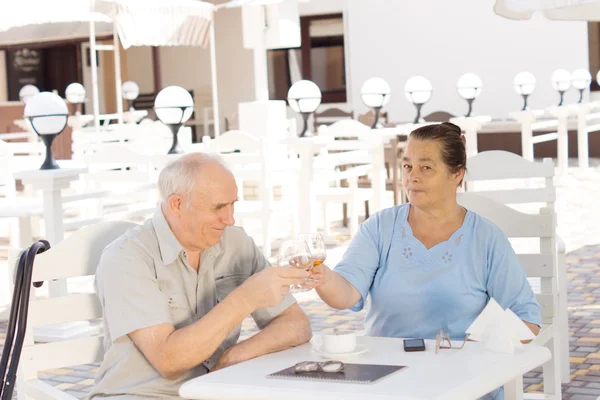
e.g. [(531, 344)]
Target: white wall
[(316, 7), (188, 67), (140, 68), (442, 39)]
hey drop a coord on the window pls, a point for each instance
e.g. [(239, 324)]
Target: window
[(319, 59)]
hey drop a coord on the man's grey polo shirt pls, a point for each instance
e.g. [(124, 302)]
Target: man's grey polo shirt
[(143, 279)]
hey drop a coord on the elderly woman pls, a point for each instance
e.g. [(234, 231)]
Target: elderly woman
[(429, 264)]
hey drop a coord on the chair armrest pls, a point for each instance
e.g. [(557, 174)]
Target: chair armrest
[(350, 173), (543, 336)]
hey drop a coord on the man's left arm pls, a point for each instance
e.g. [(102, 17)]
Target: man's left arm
[(288, 329)]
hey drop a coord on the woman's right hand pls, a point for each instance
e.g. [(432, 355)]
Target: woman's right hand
[(318, 275)]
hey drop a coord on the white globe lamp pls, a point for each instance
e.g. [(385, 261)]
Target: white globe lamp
[(375, 93), (418, 90), (304, 97), (174, 106), (48, 114)]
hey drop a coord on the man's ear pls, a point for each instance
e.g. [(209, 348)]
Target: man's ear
[(175, 204)]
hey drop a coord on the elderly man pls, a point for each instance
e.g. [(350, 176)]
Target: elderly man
[(175, 290)]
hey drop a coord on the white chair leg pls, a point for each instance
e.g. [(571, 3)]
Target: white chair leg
[(353, 217), (551, 369), (20, 388), (326, 220), (562, 317), (266, 246), (513, 390), (353, 207), (21, 235)]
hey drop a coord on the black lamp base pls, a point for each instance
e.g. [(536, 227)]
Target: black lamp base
[(49, 162), (175, 147), (305, 126), (376, 111), (470, 102), (562, 97), (418, 116), (525, 96)]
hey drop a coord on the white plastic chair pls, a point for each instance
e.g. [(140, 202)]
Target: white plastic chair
[(540, 265), (76, 256), (502, 165)]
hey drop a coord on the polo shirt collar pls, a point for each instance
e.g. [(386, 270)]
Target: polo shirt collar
[(169, 246)]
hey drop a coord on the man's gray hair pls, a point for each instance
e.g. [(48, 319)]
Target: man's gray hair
[(180, 176)]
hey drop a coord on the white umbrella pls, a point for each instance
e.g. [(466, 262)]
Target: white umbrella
[(568, 10), (136, 22)]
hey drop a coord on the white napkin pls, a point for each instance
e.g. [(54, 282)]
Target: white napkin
[(499, 330)]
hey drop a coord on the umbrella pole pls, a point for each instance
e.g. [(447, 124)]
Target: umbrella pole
[(117, 53), (93, 61), (213, 73)]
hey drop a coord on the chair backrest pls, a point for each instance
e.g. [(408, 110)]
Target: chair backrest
[(232, 122), (515, 225), (330, 115), (145, 101), (369, 117), (500, 165), (348, 128), (438, 116), (76, 256), (232, 141), (116, 163)]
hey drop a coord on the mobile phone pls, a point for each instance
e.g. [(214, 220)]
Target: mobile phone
[(414, 345)]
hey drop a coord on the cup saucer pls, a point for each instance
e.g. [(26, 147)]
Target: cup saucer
[(359, 349)]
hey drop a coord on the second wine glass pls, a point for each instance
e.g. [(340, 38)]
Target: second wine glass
[(296, 254), (316, 245)]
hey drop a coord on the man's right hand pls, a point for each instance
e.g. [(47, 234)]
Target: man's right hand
[(268, 287)]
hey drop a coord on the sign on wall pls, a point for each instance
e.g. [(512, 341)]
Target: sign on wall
[(23, 67)]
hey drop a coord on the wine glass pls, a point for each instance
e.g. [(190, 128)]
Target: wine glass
[(316, 245), (295, 254)]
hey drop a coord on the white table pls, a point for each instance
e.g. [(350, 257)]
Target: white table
[(451, 374)]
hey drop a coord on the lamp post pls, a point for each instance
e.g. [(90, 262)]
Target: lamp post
[(581, 80), (375, 93), (418, 90), (469, 88), (524, 84), (27, 92), (173, 106), (48, 114), (561, 81), (304, 97), (75, 94), (130, 91)]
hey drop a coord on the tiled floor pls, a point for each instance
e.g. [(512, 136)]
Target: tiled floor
[(579, 226)]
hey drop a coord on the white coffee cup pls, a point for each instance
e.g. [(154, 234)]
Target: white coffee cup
[(335, 343)]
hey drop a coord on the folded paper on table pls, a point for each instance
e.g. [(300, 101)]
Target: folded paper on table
[(499, 330)]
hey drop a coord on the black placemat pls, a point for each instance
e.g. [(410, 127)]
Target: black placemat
[(353, 373)]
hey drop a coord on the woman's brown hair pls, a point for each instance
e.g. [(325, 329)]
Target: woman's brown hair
[(452, 144)]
